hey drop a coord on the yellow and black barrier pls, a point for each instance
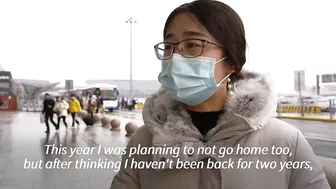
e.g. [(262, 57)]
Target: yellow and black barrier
[(298, 109), (140, 106)]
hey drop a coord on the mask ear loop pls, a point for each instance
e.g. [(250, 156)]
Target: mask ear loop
[(225, 78), (220, 60), (229, 84)]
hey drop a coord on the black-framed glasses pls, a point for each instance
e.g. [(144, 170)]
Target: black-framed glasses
[(189, 48)]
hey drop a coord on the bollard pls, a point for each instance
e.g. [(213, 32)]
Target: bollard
[(115, 125), (97, 118), (329, 167), (88, 120), (331, 177), (105, 122), (130, 128), (82, 114)]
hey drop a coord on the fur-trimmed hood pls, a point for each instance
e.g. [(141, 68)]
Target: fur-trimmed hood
[(249, 108)]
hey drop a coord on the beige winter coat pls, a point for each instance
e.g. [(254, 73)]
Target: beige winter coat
[(62, 107), (249, 121)]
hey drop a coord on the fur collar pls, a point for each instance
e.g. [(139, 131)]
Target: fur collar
[(253, 101)]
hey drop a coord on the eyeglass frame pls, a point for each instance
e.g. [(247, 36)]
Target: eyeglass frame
[(178, 44)]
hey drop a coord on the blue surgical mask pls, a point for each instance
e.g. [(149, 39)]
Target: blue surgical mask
[(190, 80)]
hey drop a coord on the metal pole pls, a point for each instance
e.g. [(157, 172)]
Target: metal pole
[(131, 58), (331, 109), (131, 21), (300, 95), (317, 85)]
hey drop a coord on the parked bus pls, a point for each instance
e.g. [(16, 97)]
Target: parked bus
[(108, 93)]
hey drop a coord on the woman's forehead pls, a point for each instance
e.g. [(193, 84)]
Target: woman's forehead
[(185, 25)]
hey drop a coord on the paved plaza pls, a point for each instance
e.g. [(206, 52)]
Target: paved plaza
[(22, 139), (22, 136)]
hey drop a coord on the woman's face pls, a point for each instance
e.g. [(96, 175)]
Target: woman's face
[(186, 26)]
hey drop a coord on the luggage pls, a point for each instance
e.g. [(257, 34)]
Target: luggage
[(42, 118)]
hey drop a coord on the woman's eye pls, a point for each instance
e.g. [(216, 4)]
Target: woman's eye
[(191, 45)]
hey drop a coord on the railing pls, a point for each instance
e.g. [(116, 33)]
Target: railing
[(36, 105), (30, 105)]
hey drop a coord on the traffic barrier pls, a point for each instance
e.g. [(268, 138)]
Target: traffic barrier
[(298, 109), (140, 106)]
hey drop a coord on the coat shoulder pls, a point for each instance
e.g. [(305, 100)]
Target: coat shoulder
[(281, 133), (281, 126), (142, 136)]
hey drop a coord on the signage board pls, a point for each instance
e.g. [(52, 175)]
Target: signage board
[(326, 78), (4, 85), (69, 85), (299, 80)]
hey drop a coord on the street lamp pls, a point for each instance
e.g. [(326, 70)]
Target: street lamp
[(131, 21)]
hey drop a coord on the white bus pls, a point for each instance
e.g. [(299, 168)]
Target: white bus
[(108, 93)]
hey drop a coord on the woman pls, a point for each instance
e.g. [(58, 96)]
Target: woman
[(75, 107), (61, 108), (100, 105), (92, 105), (207, 100)]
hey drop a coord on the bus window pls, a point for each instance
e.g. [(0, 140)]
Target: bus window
[(97, 92), (109, 94)]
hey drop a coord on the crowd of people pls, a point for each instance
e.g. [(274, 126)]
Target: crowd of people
[(125, 103), (62, 108)]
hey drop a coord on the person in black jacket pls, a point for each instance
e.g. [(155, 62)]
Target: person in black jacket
[(48, 106), (100, 104)]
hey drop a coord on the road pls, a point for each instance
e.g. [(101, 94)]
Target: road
[(22, 137), (320, 135)]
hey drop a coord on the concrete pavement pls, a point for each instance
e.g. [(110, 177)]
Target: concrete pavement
[(22, 136)]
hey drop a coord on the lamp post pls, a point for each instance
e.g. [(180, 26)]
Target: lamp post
[(131, 21)]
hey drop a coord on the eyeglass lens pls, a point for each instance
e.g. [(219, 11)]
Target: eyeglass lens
[(188, 48)]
